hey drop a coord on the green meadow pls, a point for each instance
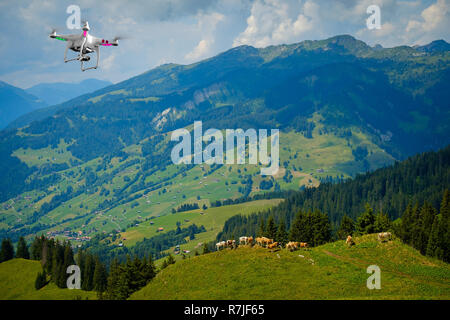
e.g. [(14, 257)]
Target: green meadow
[(17, 278)]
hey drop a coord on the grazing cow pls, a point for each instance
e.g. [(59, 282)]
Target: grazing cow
[(272, 245), (220, 245), (266, 241), (349, 241), (384, 236), (231, 244), (259, 241), (243, 240), (303, 245), (250, 240), (288, 246), (291, 245)]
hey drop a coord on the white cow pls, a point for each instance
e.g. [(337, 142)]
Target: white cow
[(220, 245), (243, 240), (384, 236)]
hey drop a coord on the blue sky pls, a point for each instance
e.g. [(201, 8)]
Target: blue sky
[(185, 31)]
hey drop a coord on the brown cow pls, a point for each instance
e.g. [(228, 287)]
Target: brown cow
[(272, 245), (250, 240), (259, 241), (231, 244), (349, 241), (291, 245), (303, 245), (266, 241)]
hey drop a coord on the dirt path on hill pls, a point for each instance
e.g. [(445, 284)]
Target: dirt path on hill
[(364, 264)]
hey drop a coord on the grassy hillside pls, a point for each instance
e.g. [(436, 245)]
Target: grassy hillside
[(331, 271), (17, 278)]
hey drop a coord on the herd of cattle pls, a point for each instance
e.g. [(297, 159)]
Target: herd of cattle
[(260, 241), (291, 245)]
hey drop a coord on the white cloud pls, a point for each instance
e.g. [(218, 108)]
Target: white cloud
[(199, 51), (108, 62), (206, 26), (432, 17), (277, 21), (433, 23)]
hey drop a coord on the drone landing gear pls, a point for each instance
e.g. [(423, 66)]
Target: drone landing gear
[(82, 57), (69, 44), (87, 58)]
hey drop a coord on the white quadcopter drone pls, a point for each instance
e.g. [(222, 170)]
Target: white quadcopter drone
[(84, 44)]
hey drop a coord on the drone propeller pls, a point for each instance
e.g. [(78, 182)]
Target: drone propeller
[(53, 32), (120, 37), (52, 29)]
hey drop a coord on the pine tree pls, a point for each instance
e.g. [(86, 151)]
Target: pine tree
[(149, 270), (346, 228), (57, 263), (7, 250), (297, 231), (36, 249), (271, 229), (365, 222), (443, 250), (87, 280), (205, 249), (67, 261), (433, 241), (41, 280), (81, 262), (262, 228), (445, 205), (22, 249), (171, 260), (113, 291), (407, 225), (282, 235), (382, 223), (321, 229), (423, 227), (137, 279), (100, 278)]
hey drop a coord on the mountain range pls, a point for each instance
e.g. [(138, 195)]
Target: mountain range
[(56, 93), (16, 102), (50, 94)]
